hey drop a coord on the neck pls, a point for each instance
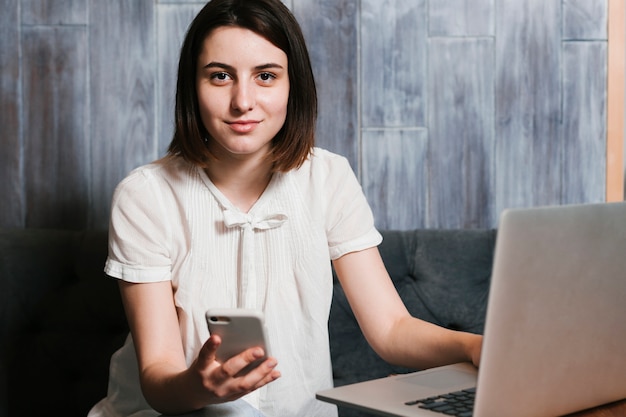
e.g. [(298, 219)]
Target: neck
[(242, 183)]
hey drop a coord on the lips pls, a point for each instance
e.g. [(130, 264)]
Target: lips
[(243, 126)]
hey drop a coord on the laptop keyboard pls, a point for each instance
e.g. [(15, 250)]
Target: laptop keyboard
[(458, 403)]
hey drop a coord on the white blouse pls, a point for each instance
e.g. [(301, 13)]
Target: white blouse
[(170, 222)]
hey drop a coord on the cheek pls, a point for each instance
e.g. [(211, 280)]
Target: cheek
[(278, 105), (208, 107)]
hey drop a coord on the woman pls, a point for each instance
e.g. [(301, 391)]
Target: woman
[(245, 212)]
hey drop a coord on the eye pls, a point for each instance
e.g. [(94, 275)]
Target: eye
[(266, 77), (220, 77)]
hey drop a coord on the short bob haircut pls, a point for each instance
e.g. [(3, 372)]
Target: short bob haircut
[(272, 20)]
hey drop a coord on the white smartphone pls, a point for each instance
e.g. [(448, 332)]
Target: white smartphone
[(239, 329)]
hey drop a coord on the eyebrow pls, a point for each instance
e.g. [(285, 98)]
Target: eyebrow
[(227, 67)]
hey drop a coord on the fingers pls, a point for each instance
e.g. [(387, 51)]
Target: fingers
[(246, 372), (231, 387), (272, 375), (237, 376), (206, 356), (244, 362)]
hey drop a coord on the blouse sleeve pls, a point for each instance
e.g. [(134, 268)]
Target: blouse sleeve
[(138, 234), (349, 221)]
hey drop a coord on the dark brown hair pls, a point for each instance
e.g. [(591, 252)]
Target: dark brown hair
[(272, 20)]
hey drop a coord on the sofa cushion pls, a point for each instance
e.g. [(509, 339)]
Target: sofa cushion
[(447, 282), (67, 336)]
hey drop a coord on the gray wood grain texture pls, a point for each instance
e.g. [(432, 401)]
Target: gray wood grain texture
[(123, 71), (461, 18), (528, 104), (172, 23), (448, 110), (54, 12), (585, 19), (396, 184), (584, 122), (56, 158), (461, 139), (393, 62), (11, 203), (331, 30)]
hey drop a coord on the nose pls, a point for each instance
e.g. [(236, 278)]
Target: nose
[(243, 99)]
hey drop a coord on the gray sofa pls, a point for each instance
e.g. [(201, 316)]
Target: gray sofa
[(62, 319)]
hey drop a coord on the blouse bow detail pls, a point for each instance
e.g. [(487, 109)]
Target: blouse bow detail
[(233, 218), (248, 295)]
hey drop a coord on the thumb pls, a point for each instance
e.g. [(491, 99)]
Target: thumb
[(206, 356)]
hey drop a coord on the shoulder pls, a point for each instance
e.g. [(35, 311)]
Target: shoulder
[(154, 184), (325, 164), (162, 171), (325, 177), (323, 157)]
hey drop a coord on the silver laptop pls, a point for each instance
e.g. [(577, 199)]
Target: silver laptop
[(555, 331)]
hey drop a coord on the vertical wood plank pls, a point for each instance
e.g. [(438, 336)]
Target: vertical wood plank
[(396, 179), (528, 103), (173, 21), (123, 98), (55, 12), (461, 140), (584, 19), (55, 126), (330, 28), (461, 17), (584, 122), (393, 63), (10, 160)]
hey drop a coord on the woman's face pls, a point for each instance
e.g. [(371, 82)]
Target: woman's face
[(243, 90)]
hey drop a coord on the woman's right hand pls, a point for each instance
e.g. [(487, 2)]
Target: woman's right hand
[(168, 384), (222, 382)]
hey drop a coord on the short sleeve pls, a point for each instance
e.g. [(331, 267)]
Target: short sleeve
[(350, 222), (138, 232)]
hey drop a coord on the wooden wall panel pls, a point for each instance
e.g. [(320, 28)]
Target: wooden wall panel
[(182, 2), (123, 98), (584, 19), (55, 12), (461, 140), (11, 207), (461, 18), (56, 159), (528, 103), (172, 24), (448, 110), (584, 122), (331, 30), (585, 80), (396, 184), (393, 63)]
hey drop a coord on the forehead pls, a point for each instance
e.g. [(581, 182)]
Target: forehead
[(235, 44)]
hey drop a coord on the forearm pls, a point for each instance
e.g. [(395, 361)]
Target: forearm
[(389, 328), (170, 390), (415, 343)]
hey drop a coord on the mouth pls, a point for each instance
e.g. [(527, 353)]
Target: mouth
[(243, 126)]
